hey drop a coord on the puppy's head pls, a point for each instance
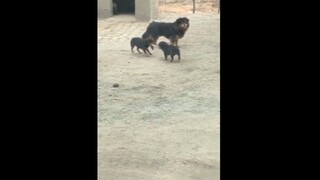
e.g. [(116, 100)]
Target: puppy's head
[(163, 45), (183, 23), (148, 41)]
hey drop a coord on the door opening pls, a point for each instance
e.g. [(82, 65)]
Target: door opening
[(123, 7)]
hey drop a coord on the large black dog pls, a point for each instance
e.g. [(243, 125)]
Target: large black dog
[(172, 31)]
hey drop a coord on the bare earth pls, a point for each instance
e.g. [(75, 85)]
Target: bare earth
[(163, 121)]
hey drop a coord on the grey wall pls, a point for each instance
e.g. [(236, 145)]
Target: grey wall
[(104, 8), (145, 10), (154, 9)]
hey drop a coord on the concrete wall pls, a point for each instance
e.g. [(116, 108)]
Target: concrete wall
[(154, 9), (145, 10), (105, 8), (142, 10)]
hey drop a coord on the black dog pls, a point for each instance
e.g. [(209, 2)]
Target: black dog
[(141, 44), (172, 31), (169, 50)]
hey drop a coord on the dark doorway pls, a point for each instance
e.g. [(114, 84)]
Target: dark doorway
[(123, 7)]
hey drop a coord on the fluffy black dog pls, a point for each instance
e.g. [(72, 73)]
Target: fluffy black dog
[(169, 50), (172, 31), (141, 44)]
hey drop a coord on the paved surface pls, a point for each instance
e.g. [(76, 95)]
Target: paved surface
[(163, 121)]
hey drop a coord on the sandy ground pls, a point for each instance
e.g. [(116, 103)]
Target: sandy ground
[(163, 121), (185, 7)]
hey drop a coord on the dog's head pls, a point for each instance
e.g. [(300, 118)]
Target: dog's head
[(183, 23)]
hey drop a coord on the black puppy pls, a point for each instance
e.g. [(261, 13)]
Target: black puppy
[(141, 44), (169, 50)]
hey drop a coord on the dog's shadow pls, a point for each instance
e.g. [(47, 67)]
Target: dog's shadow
[(140, 55)]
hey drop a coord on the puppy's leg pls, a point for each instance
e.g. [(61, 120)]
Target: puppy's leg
[(138, 50), (171, 57), (148, 51), (179, 55), (144, 51), (132, 49), (165, 56)]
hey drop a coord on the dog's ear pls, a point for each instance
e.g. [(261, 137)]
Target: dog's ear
[(186, 19), (179, 20)]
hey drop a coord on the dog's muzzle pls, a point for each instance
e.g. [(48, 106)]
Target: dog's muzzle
[(184, 25)]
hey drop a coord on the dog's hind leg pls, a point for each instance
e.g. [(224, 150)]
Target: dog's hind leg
[(138, 50)]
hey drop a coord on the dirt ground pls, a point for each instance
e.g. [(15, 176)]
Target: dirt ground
[(186, 7), (163, 121)]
